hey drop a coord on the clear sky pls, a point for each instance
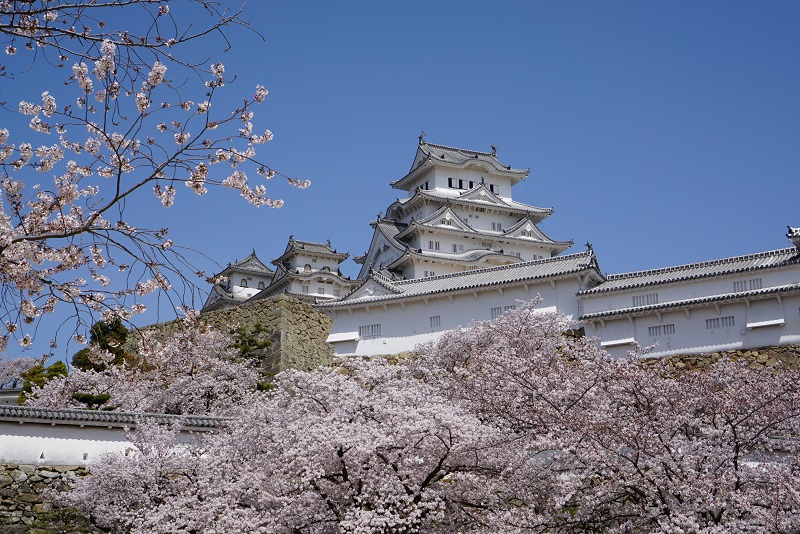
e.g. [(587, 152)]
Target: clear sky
[(661, 132)]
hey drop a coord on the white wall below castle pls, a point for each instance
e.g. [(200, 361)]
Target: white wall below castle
[(692, 333), (401, 329), (61, 444)]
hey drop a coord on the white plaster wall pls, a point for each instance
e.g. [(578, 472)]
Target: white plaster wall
[(691, 334), (45, 444), (402, 329), (686, 290)]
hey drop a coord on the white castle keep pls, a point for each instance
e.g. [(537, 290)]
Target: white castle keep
[(459, 248)]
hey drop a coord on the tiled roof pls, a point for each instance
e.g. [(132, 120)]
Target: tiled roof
[(556, 267), (461, 156), (692, 271), (250, 264), (458, 157), (692, 302), (295, 247), (469, 256), (103, 418), (518, 208)]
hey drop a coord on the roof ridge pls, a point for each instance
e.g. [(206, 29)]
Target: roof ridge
[(707, 263), (460, 149)]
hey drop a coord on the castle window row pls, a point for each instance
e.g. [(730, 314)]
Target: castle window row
[(720, 322), (661, 330), (454, 183), (436, 321)]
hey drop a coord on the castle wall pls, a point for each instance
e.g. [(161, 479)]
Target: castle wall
[(296, 330)]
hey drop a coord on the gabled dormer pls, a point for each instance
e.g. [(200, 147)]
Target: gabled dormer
[(239, 281), (441, 167), (307, 256)]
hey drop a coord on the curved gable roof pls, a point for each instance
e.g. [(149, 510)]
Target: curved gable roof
[(429, 154)]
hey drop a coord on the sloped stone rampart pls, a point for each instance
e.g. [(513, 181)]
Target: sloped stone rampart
[(297, 331), (26, 505), (786, 356)]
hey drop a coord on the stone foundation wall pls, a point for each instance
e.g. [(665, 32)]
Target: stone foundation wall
[(787, 356), (297, 331), (26, 506)]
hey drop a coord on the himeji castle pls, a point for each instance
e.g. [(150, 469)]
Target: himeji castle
[(458, 248)]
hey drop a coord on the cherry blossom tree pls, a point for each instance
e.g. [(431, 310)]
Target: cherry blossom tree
[(620, 445), (11, 370), (134, 115), (364, 448), (505, 426), (192, 371)]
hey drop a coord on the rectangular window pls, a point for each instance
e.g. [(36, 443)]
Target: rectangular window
[(747, 285), (305, 289), (337, 293), (509, 308), (497, 312), (645, 300), (433, 245), (370, 330), (661, 330), (321, 290), (429, 273), (720, 322), (436, 321), (497, 227), (461, 184), (449, 182), (458, 248), (313, 260), (471, 184), (486, 244)]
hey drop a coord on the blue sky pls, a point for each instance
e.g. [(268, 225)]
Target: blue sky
[(661, 132)]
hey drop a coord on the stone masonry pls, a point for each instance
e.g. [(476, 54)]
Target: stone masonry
[(26, 505), (297, 331)]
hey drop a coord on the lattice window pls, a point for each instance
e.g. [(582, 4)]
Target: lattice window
[(369, 330), (645, 300), (661, 330), (720, 322)]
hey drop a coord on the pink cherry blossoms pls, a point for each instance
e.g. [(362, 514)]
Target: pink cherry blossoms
[(118, 130), (505, 426)]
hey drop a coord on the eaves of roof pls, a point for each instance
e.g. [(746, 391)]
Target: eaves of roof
[(695, 271), (697, 302), (30, 414), (513, 207), (418, 288), (438, 155)]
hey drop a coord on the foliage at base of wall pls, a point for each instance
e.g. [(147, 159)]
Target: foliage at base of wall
[(26, 507)]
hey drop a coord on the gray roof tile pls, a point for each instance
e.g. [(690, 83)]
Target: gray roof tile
[(103, 418), (692, 302), (494, 276), (692, 271)]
